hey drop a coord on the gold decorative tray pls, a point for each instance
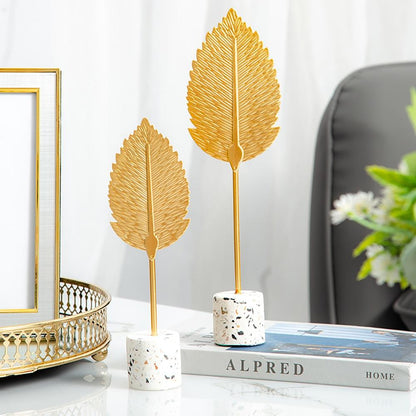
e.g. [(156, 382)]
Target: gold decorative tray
[(79, 332)]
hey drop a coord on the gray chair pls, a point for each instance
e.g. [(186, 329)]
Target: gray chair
[(365, 123)]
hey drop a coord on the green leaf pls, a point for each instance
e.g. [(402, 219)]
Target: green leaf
[(411, 109), (381, 227), (408, 262), (404, 284), (406, 224), (409, 196), (390, 177), (410, 160), (373, 238), (405, 201), (399, 213), (364, 270)]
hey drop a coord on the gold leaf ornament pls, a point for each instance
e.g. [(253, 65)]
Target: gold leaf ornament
[(148, 191), (149, 197), (233, 100), (233, 94)]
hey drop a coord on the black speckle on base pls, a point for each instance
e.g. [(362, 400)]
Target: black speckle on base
[(233, 336)]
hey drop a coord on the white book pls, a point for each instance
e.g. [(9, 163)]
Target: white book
[(309, 353)]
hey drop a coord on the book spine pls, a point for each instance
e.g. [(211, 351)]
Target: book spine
[(301, 369)]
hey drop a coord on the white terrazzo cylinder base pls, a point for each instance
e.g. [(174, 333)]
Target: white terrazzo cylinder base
[(154, 362), (238, 318)]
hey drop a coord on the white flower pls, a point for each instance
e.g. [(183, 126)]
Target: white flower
[(359, 205), (385, 268), (381, 216), (338, 216), (373, 250), (403, 168), (387, 200), (382, 212)]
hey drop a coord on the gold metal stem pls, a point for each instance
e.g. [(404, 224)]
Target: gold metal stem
[(236, 212), (151, 243), (153, 304), (236, 154)]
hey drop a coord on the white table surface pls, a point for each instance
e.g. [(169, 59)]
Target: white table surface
[(89, 388)]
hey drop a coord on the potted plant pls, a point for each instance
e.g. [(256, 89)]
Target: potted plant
[(390, 248)]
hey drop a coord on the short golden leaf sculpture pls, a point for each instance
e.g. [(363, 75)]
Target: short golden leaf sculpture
[(233, 100), (149, 197)]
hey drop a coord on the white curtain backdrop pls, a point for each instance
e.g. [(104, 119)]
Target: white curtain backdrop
[(123, 60)]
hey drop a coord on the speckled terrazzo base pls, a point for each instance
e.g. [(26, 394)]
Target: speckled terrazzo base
[(238, 318), (154, 362)]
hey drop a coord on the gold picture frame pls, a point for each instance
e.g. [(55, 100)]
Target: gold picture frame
[(29, 292)]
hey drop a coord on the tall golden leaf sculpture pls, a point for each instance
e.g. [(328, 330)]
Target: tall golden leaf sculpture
[(149, 197), (233, 100)]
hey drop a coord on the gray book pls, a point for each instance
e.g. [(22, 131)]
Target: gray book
[(310, 353)]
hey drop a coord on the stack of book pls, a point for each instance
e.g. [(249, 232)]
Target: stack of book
[(309, 353)]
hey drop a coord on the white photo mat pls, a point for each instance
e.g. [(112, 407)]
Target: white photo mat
[(29, 179), (18, 136)]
